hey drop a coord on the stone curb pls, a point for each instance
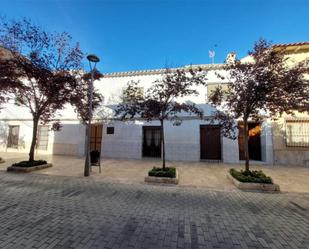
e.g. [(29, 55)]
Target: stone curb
[(28, 169), (165, 180), (254, 186)]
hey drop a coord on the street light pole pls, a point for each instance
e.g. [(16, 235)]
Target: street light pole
[(91, 58)]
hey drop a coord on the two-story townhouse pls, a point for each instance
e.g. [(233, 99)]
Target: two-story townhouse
[(193, 140)]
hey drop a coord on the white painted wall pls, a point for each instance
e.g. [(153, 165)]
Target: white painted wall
[(126, 142), (70, 140), (230, 151), (25, 137), (182, 142), (266, 143), (112, 87)]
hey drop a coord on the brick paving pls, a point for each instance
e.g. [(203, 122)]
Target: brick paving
[(41, 211)]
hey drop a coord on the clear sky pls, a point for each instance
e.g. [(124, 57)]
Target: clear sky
[(148, 34)]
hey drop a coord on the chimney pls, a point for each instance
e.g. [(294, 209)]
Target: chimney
[(230, 58)]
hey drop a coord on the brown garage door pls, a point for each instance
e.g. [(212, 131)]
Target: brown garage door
[(210, 142)]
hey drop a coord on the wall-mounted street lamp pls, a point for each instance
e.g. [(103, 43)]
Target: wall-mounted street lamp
[(93, 59)]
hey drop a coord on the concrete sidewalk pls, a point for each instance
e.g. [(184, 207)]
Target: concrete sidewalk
[(191, 174)]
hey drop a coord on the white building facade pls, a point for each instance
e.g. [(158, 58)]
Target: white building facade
[(194, 140)]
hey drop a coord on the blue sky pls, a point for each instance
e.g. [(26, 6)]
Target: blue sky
[(147, 34)]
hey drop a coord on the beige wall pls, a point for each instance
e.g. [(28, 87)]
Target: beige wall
[(284, 154)]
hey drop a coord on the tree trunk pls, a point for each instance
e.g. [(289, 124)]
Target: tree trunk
[(162, 144), (34, 137), (246, 147)]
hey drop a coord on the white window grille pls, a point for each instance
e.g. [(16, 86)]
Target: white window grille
[(42, 140), (297, 133), (13, 136)]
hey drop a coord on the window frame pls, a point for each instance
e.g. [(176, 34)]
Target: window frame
[(110, 130)]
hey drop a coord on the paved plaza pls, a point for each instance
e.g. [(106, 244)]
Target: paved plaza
[(43, 211)]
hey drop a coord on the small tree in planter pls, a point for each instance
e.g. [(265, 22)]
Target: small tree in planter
[(265, 85), (160, 101), (44, 66)]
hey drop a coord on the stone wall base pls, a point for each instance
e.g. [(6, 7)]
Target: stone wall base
[(254, 186), (164, 180), (28, 169)]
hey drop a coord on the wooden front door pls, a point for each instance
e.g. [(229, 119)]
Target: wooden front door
[(151, 141), (96, 137), (210, 137), (254, 143)]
